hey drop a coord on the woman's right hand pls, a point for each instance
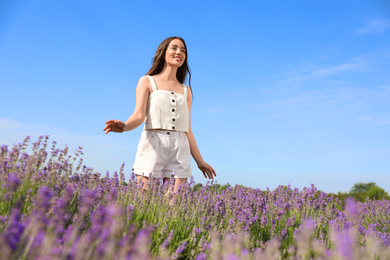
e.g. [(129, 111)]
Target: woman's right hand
[(114, 126)]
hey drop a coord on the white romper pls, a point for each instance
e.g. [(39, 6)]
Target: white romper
[(164, 153)]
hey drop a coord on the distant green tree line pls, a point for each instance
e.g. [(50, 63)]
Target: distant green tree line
[(362, 191)]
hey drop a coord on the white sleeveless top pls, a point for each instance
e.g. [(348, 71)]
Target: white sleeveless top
[(167, 110)]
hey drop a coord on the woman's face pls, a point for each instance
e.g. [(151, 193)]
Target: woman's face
[(175, 54)]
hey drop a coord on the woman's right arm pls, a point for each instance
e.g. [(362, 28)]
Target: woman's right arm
[(141, 99)]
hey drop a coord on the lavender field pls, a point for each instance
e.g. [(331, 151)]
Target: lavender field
[(53, 207)]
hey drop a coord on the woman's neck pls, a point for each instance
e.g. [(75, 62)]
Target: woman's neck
[(169, 73)]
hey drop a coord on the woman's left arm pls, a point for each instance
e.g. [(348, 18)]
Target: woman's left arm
[(206, 169)]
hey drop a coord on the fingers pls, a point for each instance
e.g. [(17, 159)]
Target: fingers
[(207, 175), (212, 172), (209, 172), (113, 126), (111, 121), (107, 128)]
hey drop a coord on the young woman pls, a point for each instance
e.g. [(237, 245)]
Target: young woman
[(164, 103)]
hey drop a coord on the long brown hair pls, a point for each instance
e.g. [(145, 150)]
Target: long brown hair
[(159, 61)]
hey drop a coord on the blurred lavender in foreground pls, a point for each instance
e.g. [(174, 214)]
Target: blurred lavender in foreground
[(53, 207)]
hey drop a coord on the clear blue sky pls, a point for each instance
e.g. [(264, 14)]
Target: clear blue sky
[(286, 92)]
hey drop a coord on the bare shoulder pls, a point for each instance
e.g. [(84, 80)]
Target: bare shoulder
[(144, 84), (144, 80)]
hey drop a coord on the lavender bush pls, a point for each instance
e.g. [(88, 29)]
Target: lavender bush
[(53, 207)]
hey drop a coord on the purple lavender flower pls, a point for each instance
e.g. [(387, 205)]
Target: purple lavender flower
[(181, 248), (345, 245), (38, 239), (45, 193), (201, 256), (130, 211), (140, 247), (14, 229), (351, 207), (263, 220), (283, 233), (13, 181), (166, 242), (3, 218), (232, 257)]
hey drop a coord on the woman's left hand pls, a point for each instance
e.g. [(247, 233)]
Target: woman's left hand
[(207, 170)]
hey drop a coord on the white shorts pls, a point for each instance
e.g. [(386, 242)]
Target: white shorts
[(163, 153)]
